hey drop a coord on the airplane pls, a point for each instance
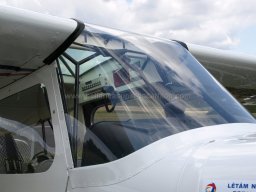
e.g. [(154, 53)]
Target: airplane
[(85, 108)]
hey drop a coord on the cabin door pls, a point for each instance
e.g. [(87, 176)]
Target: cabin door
[(33, 137)]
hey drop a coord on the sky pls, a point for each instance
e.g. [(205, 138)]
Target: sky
[(223, 24)]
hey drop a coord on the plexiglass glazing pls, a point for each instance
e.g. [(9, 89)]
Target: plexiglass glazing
[(128, 91)]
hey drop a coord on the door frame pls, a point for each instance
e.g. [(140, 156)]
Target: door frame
[(55, 179)]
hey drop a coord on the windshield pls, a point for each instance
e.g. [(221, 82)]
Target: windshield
[(122, 92)]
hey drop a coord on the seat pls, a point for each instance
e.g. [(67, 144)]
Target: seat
[(11, 161), (105, 141)]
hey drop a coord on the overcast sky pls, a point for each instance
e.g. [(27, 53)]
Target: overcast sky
[(225, 24)]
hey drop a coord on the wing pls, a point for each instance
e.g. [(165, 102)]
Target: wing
[(27, 39), (236, 71)]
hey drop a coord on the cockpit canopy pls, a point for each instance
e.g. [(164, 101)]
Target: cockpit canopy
[(123, 91)]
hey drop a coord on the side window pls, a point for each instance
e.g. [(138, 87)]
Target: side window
[(26, 133)]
